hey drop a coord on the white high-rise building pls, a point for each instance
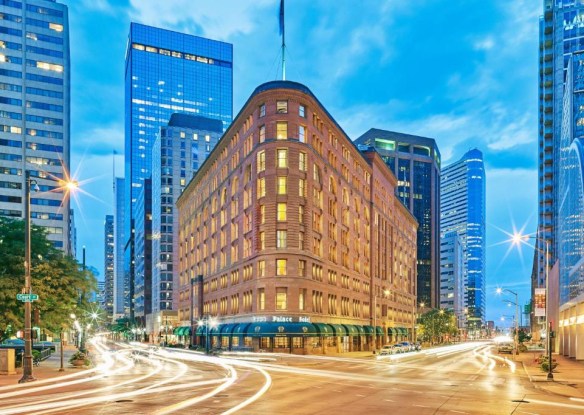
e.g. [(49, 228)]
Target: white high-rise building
[(34, 113)]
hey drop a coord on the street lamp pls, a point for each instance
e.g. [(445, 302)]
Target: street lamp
[(517, 239), (516, 303), (27, 375)]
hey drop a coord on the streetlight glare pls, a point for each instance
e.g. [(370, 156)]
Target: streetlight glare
[(499, 290), (517, 238)]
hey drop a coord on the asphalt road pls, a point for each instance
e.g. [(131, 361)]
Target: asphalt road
[(464, 379)]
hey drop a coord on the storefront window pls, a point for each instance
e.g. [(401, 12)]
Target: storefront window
[(282, 342), (264, 342), (297, 342)]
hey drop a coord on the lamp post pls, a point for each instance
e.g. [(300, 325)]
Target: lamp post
[(207, 321), (517, 239), (516, 304)]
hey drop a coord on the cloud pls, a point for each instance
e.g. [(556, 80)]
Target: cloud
[(99, 5), (484, 44), (220, 19), (100, 141)]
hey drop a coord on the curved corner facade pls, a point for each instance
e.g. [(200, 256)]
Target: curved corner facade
[(292, 239)]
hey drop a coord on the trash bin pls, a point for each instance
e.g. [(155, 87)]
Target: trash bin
[(7, 361)]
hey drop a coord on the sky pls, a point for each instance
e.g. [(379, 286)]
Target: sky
[(463, 73)]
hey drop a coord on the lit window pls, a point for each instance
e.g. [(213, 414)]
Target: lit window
[(262, 240), (195, 137), (261, 161), (281, 213), (282, 160), (207, 138), (282, 185), (56, 27), (262, 133), (137, 46), (281, 130), (281, 299), (281, 267), (282, 107), (261, 269), (281, 239), (302, 188), (261, 187), (261, 298), (302, 162), (302, 110), (262, 214)]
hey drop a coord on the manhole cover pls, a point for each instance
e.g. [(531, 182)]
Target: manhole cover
[(124, 401), (519, 401)]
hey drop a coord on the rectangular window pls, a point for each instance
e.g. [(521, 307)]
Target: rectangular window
[(282, 185), (302, 133), (261, 187), (302, 111), (281, 130), (282, 107), (302, 268), (302, 161), (281, 267), (261, 269), (281, 212), (262, 218), (282, 158), (281, 298), (262, 133), (262, 237), (262, 110), (261, 161), (281, 239), (301, 187), (261, 299), (302, 299)]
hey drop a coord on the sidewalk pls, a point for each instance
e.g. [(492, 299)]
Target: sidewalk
[(568, 375), (48, 368)]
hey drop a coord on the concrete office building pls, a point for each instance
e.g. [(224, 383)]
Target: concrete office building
[(181, 147), (462, 211), (293, 239), (34, 113), (109, 266), (415, 161)]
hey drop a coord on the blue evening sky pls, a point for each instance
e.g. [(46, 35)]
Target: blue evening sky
[(462, 72)]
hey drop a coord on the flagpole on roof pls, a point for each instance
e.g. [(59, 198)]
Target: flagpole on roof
[(283, 40)]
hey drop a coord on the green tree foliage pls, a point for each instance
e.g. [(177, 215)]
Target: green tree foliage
[(59, 280), (436, 324)]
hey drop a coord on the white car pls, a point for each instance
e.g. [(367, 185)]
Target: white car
[(387, 350)]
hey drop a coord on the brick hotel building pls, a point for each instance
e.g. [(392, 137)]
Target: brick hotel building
[(291, 239)]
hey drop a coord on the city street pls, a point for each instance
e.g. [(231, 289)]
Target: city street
[(461, 379)]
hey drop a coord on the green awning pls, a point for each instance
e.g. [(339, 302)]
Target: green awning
[(339, 330), (360, 330), (392, 331), (281, 329), (200, 330), (226, 329), (369, 330), (175, 331), (214, 330), (323, 330), (240, 329), (405, 331), (351, 330), (187, 331), (379, 330)]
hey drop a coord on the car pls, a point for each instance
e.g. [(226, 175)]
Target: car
[(505, 347), (417, 346), (399, 348), (407, 346), (387, 350)]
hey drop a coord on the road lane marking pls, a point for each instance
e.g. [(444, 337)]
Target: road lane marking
[(420, 406), (389, 400), (362, 396)]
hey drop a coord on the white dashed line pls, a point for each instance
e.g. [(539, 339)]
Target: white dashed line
[(361, 396)]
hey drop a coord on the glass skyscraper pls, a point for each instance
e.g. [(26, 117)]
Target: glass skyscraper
[(34, 113), (109, 266), (415, 161), (167, 72), (462, 211)]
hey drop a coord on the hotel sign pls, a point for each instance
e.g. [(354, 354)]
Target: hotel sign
[(280, 319), (539, 302)]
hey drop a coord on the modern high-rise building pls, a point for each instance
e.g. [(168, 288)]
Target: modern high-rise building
[(109, 266), (570, 223), (415, 161), (119, 244), (292, 238), (452, 287), (34, 113), (462, 211), (167, 72), (142, 295), (188, 139)]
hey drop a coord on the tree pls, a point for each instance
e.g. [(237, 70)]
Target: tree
[(59, 280), (436, 324)]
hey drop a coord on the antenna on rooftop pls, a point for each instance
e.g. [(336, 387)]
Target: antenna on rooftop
[(281, 18)]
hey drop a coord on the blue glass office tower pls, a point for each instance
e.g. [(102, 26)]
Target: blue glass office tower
[(415, 161), (34, 113), (168, 72), (462, 211)]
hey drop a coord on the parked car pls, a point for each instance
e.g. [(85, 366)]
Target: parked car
[(417, 346), (407, 346), (399, 348), (387, 350)]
